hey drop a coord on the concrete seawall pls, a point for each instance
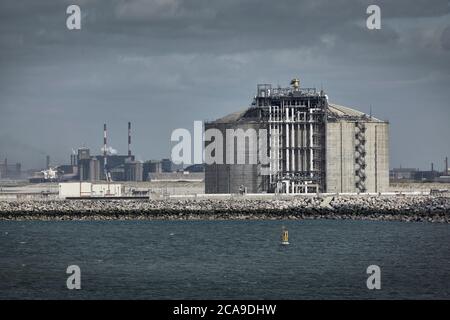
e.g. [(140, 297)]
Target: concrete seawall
[(406, 208)]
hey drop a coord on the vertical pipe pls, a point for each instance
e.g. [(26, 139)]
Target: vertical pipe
[(287, 143), (279, 141), (311, 142), (291, 152), (293, 147), (275, 151), (376, 159), (342, 159), (298, 144), (277, 156), (270, 144)]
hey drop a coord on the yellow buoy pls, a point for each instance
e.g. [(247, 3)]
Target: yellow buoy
[(284, 237)]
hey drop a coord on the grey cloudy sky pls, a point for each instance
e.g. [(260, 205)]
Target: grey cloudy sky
[(164, 63)]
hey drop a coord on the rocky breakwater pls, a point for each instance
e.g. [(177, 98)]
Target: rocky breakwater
[(404, 208)]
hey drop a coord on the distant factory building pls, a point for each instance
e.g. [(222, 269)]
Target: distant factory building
[(311, 146), (151, 167), (413, 174), (166, 165), (107, 166), (133, 170), (403, 174), (88, 167), (10, 171)]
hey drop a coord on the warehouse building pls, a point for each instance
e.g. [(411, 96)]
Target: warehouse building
[(311, 146), (89, 190)]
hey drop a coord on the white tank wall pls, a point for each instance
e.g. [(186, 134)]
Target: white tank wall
[(341, 156), (228, 178)]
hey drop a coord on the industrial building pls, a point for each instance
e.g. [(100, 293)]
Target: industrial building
[(10, 171), (312, 146), (151, 167), (417, 175), (107, 166)]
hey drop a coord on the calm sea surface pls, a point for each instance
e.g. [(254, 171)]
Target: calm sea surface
[(223, 259)]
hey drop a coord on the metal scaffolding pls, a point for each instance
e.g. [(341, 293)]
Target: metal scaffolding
[(296, 120)]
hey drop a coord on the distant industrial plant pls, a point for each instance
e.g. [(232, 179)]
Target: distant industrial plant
[(416, 175), (108, 166), (313, 146)]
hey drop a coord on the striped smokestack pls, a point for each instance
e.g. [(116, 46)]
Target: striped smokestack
[(104, 146), (129, 139)]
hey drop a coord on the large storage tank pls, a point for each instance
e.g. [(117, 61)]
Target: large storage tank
[(313, 146), (235, 178)]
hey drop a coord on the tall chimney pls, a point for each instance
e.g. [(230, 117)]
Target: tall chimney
[(432, 167), (47, 163), (129, 139), (105, 162), (446, 166)]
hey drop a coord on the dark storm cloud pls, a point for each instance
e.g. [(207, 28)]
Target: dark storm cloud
[(164, 63)]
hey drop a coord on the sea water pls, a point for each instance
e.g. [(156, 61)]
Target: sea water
[(326, 259)]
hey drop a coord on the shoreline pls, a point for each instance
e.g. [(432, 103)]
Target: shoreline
[(374, 208)]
